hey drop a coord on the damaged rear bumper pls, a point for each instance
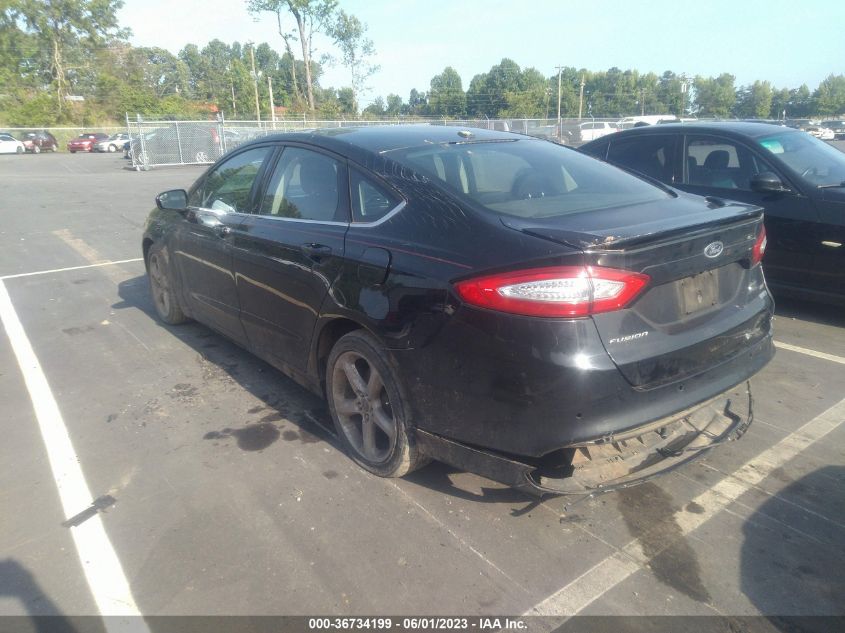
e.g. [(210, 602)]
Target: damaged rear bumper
[(607, 463)]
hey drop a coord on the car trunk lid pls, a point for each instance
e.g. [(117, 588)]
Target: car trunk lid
[(705, 303)]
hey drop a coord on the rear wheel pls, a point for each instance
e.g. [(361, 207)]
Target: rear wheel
[(73, 151), (112, 148), (36, 149), (369, 406), (20, 150), (162, 290)]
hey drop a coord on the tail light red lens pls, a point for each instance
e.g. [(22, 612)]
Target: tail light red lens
[(565, 291), (759, 247)]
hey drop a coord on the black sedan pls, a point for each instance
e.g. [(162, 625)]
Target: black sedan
[(799, 179), (500, 303)]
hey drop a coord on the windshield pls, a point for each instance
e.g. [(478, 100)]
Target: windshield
[(816, 162), (528, 179)]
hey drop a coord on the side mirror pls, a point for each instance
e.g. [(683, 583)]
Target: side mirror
[(767, 182), (173, 200)]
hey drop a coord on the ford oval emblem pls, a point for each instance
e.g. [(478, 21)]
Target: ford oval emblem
[(714, 249)]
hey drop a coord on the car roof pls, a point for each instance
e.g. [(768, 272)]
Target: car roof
[(381, 139), (745, 129)]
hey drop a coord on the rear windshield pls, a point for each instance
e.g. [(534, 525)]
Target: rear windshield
[(528, 178)]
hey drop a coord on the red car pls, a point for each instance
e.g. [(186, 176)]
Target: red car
[(37, 142), (85, 142)]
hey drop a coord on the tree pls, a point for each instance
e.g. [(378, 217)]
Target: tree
[(394, 105), (311, 17), (830, 95), (715, 97), (446, 96), (70, 30), (349, 34), (754, 101)]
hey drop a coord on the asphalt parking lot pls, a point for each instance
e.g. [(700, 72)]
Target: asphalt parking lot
[(220, 492)]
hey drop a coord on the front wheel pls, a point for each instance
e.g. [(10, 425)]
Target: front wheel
[(20, 150), (112, 148), (162, 290), (369, 407), (36, 149)]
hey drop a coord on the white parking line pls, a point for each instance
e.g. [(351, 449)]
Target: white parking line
[(810, 352), (61, 270), (612, 570), (103, 571)]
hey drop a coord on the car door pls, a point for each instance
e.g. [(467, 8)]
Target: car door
[(218, 206), (292, 251), (722, 167)]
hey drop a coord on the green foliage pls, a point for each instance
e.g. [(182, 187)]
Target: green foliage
[(715, 96), (830, 96), (446, 96)]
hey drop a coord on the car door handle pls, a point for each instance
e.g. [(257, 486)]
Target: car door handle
[(316, 251)]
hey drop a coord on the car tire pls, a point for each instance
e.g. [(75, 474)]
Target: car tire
[(161, 288), (73, 151), (19, 150), (36, 149), (369, 407), (112, 148)]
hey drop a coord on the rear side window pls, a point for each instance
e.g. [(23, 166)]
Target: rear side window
[(721, 163), (527, 178), (651, 155), (370, 200)]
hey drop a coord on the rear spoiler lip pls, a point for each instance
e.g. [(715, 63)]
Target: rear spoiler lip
[(611, 240)]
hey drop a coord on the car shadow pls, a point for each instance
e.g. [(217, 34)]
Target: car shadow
[(820, 313), (297, 405), (791, 558)]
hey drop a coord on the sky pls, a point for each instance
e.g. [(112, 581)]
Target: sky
[(787, 43)]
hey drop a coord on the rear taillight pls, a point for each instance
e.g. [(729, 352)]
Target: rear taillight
[(565, 291), (759, 247)]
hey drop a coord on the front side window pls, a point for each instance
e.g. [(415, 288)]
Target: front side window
[(814, 161), (304, 186), (527, 178), (228, 187)]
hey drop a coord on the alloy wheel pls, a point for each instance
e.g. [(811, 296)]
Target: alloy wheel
[(363, 408), (160, 285)]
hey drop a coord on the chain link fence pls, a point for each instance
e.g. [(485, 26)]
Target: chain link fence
[(161, 143)]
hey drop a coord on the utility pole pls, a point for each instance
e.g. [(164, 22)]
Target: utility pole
[(272, 108), (234, 107), (581, 99), (559, 125), (255, 84), (642, 101)]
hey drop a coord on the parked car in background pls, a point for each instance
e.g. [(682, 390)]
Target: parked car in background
[(495, 301), (838, 128), (586, 131), (10, 145), (648, 119), (37, 142), (798, 179), (86, 141), (799, 124), (113, 143), (820, 132)]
